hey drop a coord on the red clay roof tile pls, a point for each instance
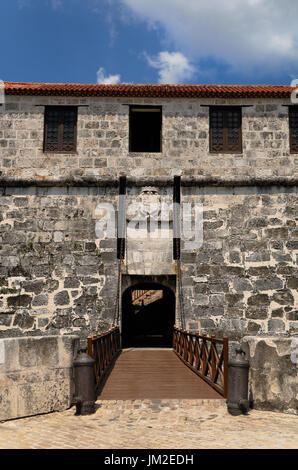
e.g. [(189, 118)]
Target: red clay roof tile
[(149, 90)]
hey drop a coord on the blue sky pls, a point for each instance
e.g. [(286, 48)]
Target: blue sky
[(149, 41)]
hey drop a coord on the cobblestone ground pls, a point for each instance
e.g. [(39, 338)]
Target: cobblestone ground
[(153, 424)]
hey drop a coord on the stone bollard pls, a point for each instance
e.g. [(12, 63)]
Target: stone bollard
[(237, 400), (84, 378)]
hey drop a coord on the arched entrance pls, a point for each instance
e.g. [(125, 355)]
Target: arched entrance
[(148, 316)]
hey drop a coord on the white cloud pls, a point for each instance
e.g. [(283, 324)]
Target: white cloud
[(248, 35), (107, 80), (173, 67)]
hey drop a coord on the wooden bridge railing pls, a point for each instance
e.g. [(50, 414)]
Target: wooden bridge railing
[(104, 349), (202, 355)]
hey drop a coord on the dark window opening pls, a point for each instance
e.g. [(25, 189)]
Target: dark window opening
[(293, 121), (145, 129), (60, 133), (225, 129)]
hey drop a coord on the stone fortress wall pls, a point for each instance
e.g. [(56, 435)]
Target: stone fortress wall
[(57, 277), (103, 136)]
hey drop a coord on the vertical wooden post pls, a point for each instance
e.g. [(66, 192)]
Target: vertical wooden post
[(90, 352), (190, 350), (195, 353), (205, 358), (184, 344), (199, 354), (118, 339), (89, 347), (101, 354), (187, 345), (213, 363), (225, 364)]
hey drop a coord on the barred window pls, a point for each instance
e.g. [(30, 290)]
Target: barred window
[(60, 133), (225, 129), (293, 121)]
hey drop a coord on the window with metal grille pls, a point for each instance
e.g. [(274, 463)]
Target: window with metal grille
[(293, 121), (145, 128), (225, 129), (60, 133)]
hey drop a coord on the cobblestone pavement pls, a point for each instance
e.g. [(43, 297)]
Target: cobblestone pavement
[(153, 424)]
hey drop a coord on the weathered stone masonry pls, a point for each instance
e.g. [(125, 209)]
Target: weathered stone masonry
[(57, 277), (103, 140), (54, 273), (242, 280)]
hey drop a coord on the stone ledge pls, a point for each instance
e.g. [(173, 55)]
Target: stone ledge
[(143, 181)]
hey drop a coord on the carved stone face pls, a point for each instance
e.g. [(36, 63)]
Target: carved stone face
[(150, 199), (149, 195), (147, 204), (150, 190)]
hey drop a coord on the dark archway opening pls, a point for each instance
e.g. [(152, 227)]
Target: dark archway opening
[(148, 316)]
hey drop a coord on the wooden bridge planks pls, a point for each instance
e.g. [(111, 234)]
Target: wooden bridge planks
[(153, 374)]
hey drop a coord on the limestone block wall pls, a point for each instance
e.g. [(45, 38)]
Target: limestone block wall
[(103, 140), (273, 374), (57, 276), (36, 375), (243, 279), (149, 246)]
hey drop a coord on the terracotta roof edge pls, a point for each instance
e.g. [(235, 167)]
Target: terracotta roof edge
[(147, 90)]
